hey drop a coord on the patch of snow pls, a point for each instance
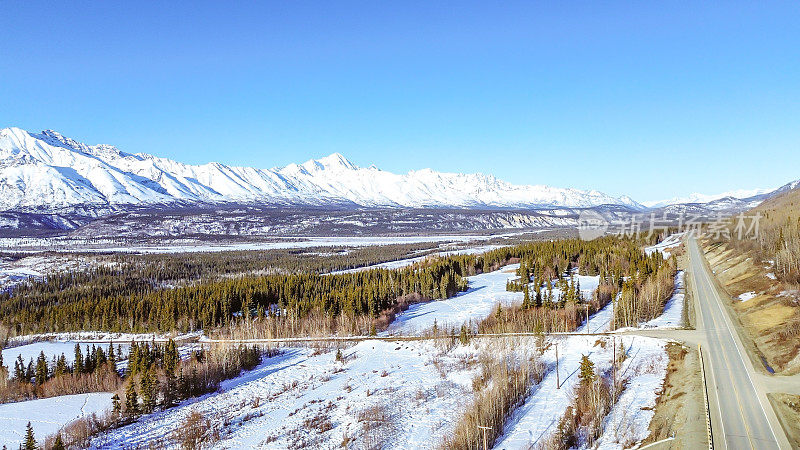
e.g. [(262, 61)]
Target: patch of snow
[(747, 296), (771, 276), (672, 317), (47, 415), (629, 420), (485, 291), (671, 241), (538, 417)]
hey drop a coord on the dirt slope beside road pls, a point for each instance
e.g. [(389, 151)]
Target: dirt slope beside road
[(768, 313)]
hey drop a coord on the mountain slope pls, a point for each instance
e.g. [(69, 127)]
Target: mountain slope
[(47, 171)]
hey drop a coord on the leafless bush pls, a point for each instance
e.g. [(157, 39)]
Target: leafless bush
[(377, 423), (508, 382), (195, 432), (643, 301), (79, 433)]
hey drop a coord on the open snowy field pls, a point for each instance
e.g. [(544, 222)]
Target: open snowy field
[(47, 415), (399, 394), (485, 291)]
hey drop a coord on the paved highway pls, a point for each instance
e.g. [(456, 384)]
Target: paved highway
[(741, 415)]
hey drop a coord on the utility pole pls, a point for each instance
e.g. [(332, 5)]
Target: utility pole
[(558, 380), (614, 368), (587, 318), (613, 313), (485, 442)]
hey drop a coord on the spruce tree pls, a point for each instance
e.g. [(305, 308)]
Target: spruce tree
[(41, 369), (77, 368), (149, 389), (171, 360), (3, 372), (116, 405), (112, 358), (19, 369), (30, 372), (61, 366), (58, 444), (131, 399), (586, 374), (171, 357), (30, 440)]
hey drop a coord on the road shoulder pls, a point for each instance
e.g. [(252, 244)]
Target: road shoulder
[(679, 410)]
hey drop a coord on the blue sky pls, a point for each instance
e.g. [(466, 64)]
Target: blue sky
[(650, 99)]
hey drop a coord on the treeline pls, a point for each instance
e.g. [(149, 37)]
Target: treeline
[(96, 372), (219, 303), (124, 274), (643, 298), (553, 300), (126, 305), (156, 378), (774, 236)]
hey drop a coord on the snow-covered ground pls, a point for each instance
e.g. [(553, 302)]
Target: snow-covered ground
[(673, 310), (537, 418), (400, 394), (108, 245), (47, 415), (671, 241), (37, 266), (645, 369), (410, 393), (485, 291)]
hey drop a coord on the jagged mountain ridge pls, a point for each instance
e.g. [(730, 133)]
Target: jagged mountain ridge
[(47, 171)]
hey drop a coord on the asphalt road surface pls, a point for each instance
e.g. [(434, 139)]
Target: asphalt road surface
[(741, 415)]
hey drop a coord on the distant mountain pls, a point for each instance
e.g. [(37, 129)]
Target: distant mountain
[(49, 172), (706, 198), (727, 203)]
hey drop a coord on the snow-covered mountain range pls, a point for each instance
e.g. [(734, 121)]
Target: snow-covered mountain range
[(47, 171)]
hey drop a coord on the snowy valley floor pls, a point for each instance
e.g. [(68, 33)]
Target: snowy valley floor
[(408, 394)]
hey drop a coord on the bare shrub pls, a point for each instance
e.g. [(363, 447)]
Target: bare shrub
[(377, 423), (507, 382), (582, 424), (194, 432), (645, 300)]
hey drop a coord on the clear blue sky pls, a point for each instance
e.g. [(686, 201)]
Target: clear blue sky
[(651, 99)]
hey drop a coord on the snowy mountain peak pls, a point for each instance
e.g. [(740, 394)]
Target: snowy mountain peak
[(48, 171), (334, 161)]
